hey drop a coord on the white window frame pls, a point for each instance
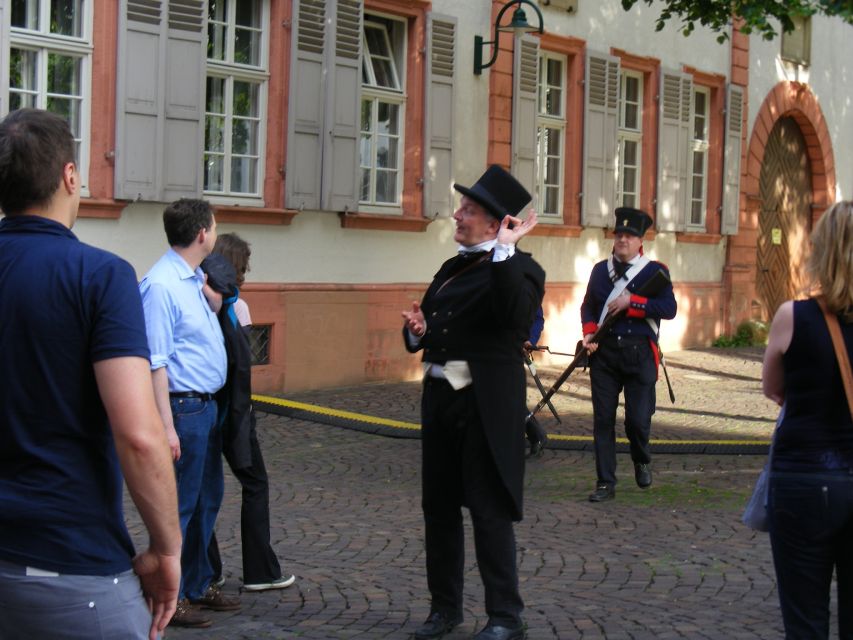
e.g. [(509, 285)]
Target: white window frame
[(43, 43), (233, 72), (629, 134), (554, 121), (398, 46), (700, 146)]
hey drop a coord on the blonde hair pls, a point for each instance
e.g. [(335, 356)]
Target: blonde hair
[(830, 263)]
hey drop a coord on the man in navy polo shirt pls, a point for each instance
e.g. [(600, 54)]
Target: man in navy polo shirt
[(188, 363), (76, 410)]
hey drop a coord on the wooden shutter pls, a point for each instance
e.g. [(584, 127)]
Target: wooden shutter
[(674, 150), (731, 173), (343, 109), (186, 65), (160, 99), (4, 58), (525, 82), (601, 113), (439, 116), (139, 96), (306, 105)]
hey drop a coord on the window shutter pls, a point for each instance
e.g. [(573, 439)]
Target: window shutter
[(525, 81), (674, 174), (343, 109), (139, 96), (185, 69), (4, 58), (439, 116), (731, 186), (600, 139), (305, 111)]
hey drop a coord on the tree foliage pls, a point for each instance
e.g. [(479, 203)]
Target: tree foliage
[(759, 16)]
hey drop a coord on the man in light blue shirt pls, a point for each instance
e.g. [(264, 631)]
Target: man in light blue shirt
[(188, 363)]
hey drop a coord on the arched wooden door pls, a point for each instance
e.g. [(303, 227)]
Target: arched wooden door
[(785, 221)]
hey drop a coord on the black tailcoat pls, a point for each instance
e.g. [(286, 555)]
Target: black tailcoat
[(480, 311)]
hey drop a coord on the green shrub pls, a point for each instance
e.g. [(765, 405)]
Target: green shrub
[(750, 333)]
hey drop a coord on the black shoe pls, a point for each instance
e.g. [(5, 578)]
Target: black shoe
[(536, 436), (643, 474), (499, 632), (603, 492), (437, 625)]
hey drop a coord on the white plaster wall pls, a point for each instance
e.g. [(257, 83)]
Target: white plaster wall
[(830, 77), (604, 24)]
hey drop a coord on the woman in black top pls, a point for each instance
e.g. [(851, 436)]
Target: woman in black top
[(810, 505)]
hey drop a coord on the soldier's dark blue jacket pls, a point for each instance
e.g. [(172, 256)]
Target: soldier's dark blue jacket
[(633, 322)]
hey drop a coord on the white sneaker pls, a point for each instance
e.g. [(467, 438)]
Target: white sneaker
[(280, 583)]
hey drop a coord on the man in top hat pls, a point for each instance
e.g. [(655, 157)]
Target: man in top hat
[(471, 326), (627, 357)]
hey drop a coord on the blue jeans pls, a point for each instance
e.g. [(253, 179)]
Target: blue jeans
[(38, 604), (200, 488), (811, 533)]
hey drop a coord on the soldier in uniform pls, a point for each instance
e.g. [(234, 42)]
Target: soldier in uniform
[(627, 357), (471, 326)]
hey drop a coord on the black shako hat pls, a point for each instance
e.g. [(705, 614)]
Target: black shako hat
[(634, 221), (498, 192)]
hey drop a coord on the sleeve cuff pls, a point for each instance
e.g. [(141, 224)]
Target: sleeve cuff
[(637, 306), (590, 327), (503, 252)]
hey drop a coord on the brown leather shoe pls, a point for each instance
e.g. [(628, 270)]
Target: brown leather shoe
[(187, 616), (215, 600)]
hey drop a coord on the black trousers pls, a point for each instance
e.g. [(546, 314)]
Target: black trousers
[(622, 364), (260, 564), (458, 470)]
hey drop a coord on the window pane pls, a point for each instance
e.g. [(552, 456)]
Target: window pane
[(629, 176), (366, 117), (215, 95), (553, 101), (552, 205), (383, 73), (248, 14), (697, 186), (698, 162), (22, 70), (364, 151), (629, 200), (386, 152), (63, 74), (244, 137), (700, 107), (552, 142), (214, 133), (69, 109), (631, 116), (213, 173), (245, 99), (630, 155), (632, 89), (243, 175), (555, 73), (65, 17), (696, 212), (25, 14), (247, 47), (218, 10), (387, 118), (216, 38), (386, 186), (365, 185), (376, 43), (21, 100)]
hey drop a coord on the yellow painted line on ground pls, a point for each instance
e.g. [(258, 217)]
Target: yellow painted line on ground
[(362, 417), (337, 413)]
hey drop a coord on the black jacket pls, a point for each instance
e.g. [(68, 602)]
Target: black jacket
[(235, 398)]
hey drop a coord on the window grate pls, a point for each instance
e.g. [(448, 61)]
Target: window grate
[(259, 343)]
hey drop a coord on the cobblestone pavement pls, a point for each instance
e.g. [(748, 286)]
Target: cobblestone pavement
[(670, 562)]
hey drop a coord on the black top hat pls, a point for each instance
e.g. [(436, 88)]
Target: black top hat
[(498, 192), (634, 221)]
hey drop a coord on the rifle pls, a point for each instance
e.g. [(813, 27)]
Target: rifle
[(650, 288), (529, 361)]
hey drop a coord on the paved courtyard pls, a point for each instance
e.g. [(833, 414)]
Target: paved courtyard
[(670, 562)]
